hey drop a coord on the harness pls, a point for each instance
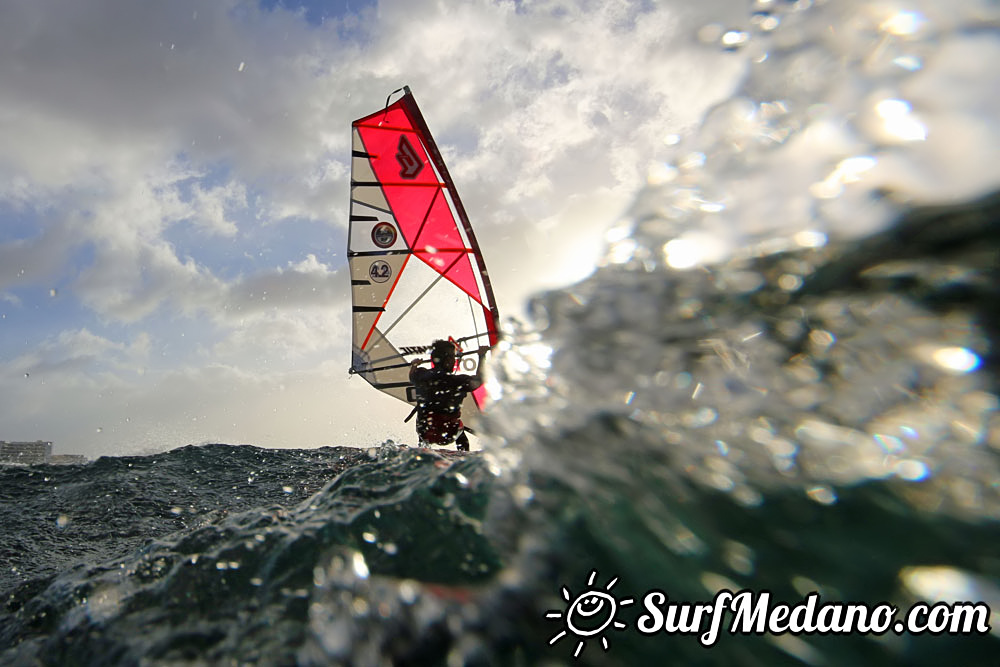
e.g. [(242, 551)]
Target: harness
[(438, 407)]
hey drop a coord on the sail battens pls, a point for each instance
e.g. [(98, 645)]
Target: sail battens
[(388, 128), (383, 184), (376, 253), (405, 204)]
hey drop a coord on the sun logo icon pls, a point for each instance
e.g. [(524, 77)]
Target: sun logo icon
[(589, 614)]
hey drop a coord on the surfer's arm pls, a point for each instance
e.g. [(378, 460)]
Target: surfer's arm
[(414, 365), (476, 381)]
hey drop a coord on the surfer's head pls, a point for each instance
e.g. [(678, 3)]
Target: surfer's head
[(443, 354)]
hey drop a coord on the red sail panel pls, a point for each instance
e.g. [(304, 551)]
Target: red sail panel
[(415, 194)]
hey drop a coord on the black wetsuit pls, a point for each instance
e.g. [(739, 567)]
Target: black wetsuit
[(439, 405)]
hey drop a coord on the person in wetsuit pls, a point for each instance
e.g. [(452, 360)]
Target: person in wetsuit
[(440, 393)]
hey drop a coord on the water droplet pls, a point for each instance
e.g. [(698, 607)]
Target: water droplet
[(789, 282), (359, 566), (765, 21), (903, 23), (889, 443), (822, 494), (700, 418), (909, 63), (899, 121), (622, 252), (524, 493), (940, 583), (739, 557), (821, 340), (810, 239), (912, 470), (958, 359), (682, 254), (734, 39), (661, 173)]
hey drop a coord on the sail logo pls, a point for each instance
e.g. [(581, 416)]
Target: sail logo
[(383, 235), (410, 164), (589, 614)]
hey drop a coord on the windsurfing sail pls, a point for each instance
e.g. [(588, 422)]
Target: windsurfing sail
[(417, 273)]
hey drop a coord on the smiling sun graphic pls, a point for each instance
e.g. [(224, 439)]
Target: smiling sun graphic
[(589, 614)]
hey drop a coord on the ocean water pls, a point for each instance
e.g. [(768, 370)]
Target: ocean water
[(782, 377)]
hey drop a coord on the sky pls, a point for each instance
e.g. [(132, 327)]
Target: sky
[(174, 180)]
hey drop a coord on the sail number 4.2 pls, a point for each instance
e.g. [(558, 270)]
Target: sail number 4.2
[(380, 271)]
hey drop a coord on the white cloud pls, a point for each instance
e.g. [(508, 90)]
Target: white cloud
[(75, 360), (212, 206), (159, 144)]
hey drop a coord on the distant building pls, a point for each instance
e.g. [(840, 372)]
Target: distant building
[(67, 459), (25, 453)]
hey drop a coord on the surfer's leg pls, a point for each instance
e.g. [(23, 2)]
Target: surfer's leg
[(462, 441)]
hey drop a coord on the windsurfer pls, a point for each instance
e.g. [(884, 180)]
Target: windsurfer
[(440, 393)]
